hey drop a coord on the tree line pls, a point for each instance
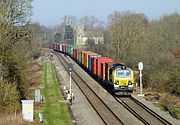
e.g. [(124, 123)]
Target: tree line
[(130, 37)]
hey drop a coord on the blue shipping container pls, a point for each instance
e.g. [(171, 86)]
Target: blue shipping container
[(90, 61)]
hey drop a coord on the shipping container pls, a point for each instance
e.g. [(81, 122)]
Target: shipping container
[(90, 59), (98, 64), (76, 53), (55, 46), (102, 75), (72, 48), (93, 64), (83, 57), (64, 48), (60, 47), (68, 49), (80, 57), (86, 59)]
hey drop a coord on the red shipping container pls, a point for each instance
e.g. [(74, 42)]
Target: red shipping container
[(65, 48), (98, 64), (56, 46), (102, 75), (93, 65), (76, 52)]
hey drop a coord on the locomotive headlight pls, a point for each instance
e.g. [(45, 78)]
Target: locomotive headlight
[(117, 82), (130, 83)]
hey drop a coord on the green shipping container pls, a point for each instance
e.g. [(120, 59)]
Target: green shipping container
[(80, 57), (70, 49)]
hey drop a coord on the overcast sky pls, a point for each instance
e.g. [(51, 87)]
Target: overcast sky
[(50, 12)]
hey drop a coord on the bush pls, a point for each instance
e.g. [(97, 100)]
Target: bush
[(174, 86), (36, 55), (9, 100)]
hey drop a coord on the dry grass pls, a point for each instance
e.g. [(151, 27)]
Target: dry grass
[(11, 119), (171, 99), (165, 101)]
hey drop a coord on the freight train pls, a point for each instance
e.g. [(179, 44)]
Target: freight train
[(113, 76)]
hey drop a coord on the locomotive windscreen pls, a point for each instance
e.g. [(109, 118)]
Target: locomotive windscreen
[(123, 73)]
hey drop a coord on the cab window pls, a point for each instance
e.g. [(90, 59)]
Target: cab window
[(123, 73)]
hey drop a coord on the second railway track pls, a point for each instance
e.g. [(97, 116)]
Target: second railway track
[(100, 107), (142, 112)]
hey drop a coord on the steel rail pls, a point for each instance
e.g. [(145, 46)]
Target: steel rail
[(142, 112)]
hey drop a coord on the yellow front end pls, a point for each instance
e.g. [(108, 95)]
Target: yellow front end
[(123, 79)]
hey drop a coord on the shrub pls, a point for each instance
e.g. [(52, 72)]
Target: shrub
[(174, 86), (9, 100)]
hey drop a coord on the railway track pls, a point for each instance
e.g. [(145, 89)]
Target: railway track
[(142, 112), (105, 113)]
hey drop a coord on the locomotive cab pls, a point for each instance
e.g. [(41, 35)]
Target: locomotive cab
[(122, 78)]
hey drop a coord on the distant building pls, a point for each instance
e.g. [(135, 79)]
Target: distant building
[(82, 36)]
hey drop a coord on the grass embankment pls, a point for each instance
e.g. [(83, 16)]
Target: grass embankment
[(55, 112)]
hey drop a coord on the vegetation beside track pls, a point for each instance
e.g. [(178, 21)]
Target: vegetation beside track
[(165, 101), (55, 110)]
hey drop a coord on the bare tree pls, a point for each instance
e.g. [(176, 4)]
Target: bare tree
[(125, 29), (69, 20), (89, 22)]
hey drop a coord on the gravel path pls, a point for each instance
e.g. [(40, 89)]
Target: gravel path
[(83, 112)]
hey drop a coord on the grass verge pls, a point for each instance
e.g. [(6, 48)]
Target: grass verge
[(54, 110)]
